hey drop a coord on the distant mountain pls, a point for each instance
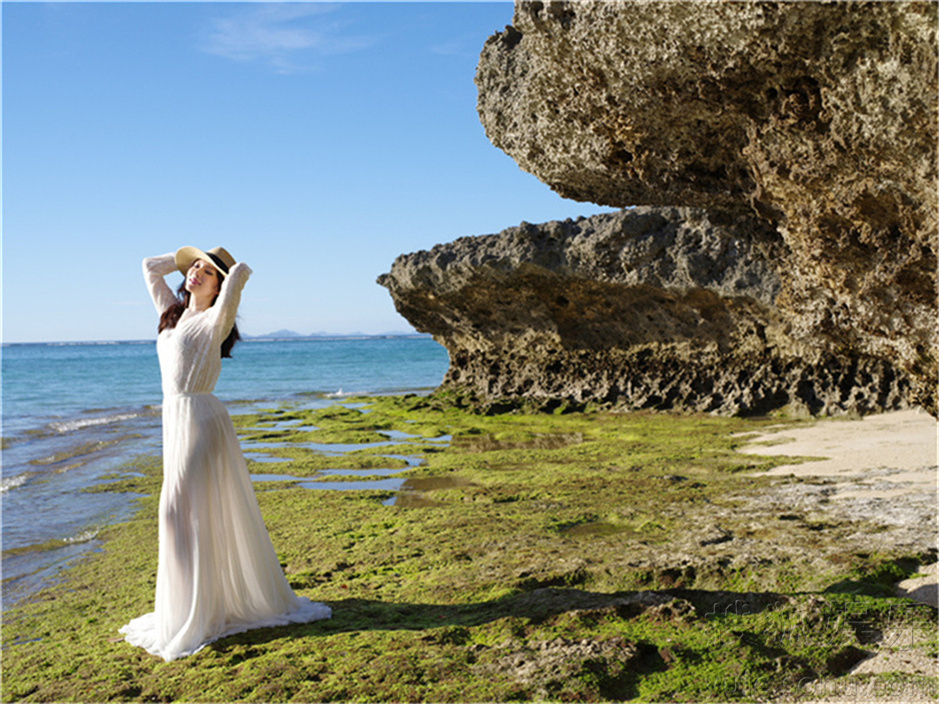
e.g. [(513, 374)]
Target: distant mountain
[(293, 334)]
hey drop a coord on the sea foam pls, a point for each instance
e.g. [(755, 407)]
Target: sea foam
[(73, 425), (8, 483)]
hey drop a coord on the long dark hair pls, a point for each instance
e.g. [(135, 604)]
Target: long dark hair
[(171, 316)]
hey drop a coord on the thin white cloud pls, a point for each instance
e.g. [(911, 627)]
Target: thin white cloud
[(287, 36)]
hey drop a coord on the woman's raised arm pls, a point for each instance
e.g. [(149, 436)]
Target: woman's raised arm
[(154, 269), (226, 307)]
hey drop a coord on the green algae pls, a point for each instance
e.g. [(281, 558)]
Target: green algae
[(535, 556)]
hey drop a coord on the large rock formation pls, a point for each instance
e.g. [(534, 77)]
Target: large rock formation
[(818, 117), (663, 308)]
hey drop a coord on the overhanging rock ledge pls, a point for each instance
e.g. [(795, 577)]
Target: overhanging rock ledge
[(661, 308), (809, 129)]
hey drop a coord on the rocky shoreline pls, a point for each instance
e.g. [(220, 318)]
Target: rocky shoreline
[(646, 308), (784, 252)]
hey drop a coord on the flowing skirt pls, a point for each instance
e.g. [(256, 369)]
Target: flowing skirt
[(218, 573)]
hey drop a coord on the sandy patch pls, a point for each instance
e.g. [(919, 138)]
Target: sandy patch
[(880, 461), (881, 455), (884, 463)]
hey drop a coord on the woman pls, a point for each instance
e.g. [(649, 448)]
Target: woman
[(218, 573)]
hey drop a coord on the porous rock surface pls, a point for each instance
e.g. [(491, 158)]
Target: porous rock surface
[(819, 117), (663, 308)]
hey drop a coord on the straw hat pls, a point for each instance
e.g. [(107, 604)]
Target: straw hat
[(219, 256)]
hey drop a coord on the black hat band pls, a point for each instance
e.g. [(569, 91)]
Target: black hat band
[(219, 264)]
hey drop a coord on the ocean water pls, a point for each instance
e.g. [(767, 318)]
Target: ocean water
[(75, 413)]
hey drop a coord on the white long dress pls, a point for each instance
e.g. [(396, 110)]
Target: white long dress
[(218, 573)]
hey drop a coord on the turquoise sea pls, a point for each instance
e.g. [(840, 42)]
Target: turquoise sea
[(73, 413)]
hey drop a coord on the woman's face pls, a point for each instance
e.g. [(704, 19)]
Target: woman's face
[(202, 279)]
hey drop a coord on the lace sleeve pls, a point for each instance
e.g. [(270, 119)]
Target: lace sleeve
[(154, 269), (226, 307)]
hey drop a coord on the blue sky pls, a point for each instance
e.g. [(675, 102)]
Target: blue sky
[(315, 141)]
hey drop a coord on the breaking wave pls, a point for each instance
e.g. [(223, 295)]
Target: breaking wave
[(83, 537), (8, 483), (73, 425)]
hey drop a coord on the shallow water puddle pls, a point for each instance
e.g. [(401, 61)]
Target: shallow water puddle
[(288, 424), (326, 448), (337, 448), (409, 492), (391, 484), (255, 449), (399, 435)]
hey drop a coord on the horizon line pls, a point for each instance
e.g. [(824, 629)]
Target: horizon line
[(246, 338)]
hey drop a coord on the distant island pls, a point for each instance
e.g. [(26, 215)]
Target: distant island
[(294, 335)]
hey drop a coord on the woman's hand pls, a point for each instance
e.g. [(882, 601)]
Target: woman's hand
[(241, 267)]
